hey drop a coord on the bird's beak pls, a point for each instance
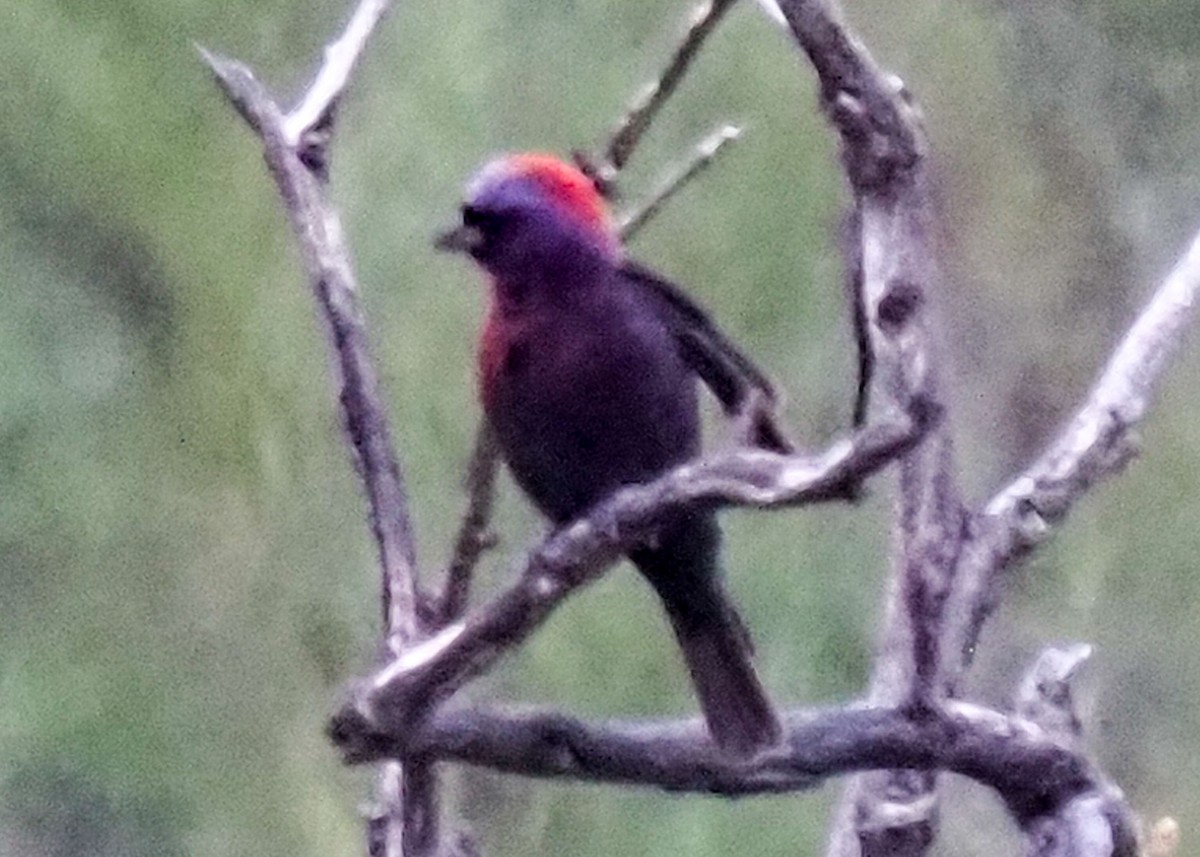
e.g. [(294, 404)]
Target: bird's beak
[(460, 239)]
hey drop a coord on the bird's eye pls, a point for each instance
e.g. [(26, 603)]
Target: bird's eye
[(472, 216)]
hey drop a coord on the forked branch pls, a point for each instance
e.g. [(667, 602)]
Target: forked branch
[(947, 560), (296, 146)]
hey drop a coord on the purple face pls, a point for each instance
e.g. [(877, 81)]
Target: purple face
[(533, 215)]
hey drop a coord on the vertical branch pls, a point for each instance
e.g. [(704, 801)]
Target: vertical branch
[(370, 437), (883, 152), (474, 536), (860, 325), (295, 147)]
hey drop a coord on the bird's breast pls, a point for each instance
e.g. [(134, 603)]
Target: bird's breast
[(584, 399)]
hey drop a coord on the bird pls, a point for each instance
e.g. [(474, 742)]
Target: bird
[(588, 365)]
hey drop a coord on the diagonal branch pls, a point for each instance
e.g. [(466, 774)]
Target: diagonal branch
[(1095, 444), (637, 121), (341, 58), (705, 153), (295, 148), (405, 691)]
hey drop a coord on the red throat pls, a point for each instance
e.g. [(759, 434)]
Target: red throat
[(493, 346)]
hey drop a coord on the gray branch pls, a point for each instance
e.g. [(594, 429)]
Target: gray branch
[(1096, 443), (883, 152), (640, 116), (295, 146), (326, 258), (1038, 778), (1044, 696), (1097, 820)]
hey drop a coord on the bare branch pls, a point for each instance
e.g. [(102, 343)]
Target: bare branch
[(1036, 776), (1044, 695), (294, 147), (326, 258), (859, 322), (1095, 444), (703, 155), (385, 828), (1094, 824), (341, 57), (636, 122), (474, 534), (883, 151), (406, 690)]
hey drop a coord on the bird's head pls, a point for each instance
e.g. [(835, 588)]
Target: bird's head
[(533, 215)]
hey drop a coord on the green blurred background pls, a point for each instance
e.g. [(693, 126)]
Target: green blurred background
[(186, 573)]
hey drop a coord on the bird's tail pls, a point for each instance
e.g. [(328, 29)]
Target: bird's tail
[(715, 643)]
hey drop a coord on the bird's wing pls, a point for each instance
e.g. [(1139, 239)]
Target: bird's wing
[(742, 388)]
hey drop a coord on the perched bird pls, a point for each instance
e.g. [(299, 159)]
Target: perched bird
[(587, 371)]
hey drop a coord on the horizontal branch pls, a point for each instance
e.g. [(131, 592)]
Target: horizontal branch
[(405, 691), (1033, 773)]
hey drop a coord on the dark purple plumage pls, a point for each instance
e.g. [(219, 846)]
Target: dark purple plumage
[(586, 380)]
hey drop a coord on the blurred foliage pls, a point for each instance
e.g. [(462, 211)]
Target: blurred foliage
[(186, 573)]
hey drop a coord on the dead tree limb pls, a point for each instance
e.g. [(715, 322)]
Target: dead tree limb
[(296, 149), (948, 559)]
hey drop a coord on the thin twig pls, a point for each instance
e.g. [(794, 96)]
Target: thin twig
[(341, 57), (637, 121), (474, 533), (703, 155), (860, 324)]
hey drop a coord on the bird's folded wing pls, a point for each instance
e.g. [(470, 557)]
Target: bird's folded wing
[(742, 388)]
